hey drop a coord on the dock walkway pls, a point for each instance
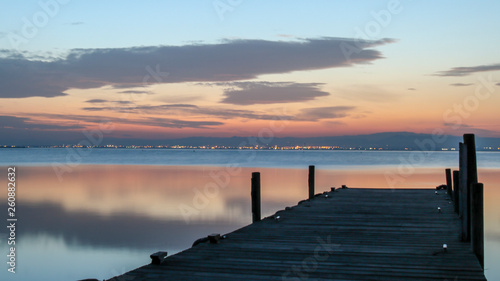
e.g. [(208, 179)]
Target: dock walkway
[(346, 234)]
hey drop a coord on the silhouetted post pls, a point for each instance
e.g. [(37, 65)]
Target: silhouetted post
[(470, 142), (471, 159), (464, 205), (456, 187), (311, 181), (471, 179), (448, 183), (477, 222), (255, 196)]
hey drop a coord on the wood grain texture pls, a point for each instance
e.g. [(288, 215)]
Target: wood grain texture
[(353, 234)]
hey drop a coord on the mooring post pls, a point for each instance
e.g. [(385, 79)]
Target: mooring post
[(464, 205), (311, 181), (158, 257), (456, 199), (255, 196), (471, 163), (477, 221), (449, 187), (471, 159)]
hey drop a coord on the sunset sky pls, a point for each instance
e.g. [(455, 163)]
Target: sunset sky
[(172, 69)]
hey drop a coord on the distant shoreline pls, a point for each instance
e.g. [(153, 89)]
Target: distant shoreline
[(489, 149)]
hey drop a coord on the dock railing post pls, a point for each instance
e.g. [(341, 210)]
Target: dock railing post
[(311, 181), (456, 187), (464, 204), (449, 187), (477, 221), (255, 196)]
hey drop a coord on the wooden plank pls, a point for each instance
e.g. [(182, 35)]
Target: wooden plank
[(353, 234)]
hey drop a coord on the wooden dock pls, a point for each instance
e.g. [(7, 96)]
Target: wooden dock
[(349, 234)]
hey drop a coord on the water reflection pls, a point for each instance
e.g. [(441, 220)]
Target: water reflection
[(158, 192), (110, 218), (210, 193)]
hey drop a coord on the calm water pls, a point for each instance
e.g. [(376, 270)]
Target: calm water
[(98, 213), (243, 158)]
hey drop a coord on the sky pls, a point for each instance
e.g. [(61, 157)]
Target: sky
[(89, 70)]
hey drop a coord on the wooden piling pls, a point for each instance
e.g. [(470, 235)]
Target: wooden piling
[(471, 159), (456, 199), (477, 222), (255, 196), (311, 181), (449, 187), (469, 141), (469, 177), (464, 205)]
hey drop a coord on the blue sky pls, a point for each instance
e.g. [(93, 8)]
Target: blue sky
[(107, 24)]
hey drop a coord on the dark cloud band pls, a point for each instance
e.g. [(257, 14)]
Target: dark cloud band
[(247, 93), (131, 67), (461, 84), (467, 70), (22, 123), (328, 112)]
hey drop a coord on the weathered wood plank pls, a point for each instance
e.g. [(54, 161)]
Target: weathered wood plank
[(354, 234)]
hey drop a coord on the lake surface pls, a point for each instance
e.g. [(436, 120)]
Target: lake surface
[(101, 212), (244, 158)]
